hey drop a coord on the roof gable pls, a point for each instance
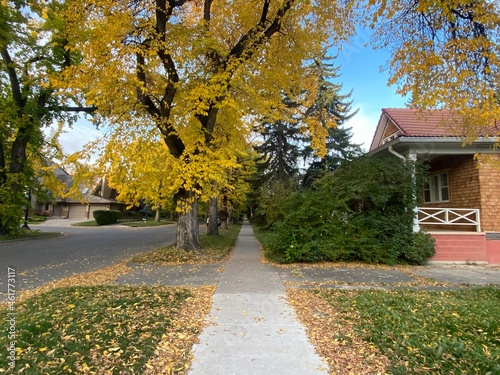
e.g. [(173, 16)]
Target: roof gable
[(413, 122)]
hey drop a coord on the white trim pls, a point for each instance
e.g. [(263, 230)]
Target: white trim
[(438, 146), (450, 216)]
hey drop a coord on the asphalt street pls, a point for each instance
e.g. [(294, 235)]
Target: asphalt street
[(78, 249)]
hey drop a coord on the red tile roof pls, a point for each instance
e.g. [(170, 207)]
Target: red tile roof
[(425, 123), (413, 122)]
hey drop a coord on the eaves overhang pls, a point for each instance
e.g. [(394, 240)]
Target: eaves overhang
[(438, 146)]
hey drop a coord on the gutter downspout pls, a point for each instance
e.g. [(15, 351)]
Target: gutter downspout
[(391, 150), (416, 227)]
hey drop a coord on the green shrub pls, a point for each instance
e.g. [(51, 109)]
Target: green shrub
[(362, 212), (105, 217), (422, 248), (273, 200)]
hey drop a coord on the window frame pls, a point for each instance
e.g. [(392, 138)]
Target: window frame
[(437, 184)]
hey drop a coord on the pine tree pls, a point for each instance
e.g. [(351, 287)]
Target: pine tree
[(280, 150), (330, 105)]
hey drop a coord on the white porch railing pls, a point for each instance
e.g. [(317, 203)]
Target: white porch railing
[(449, 216)]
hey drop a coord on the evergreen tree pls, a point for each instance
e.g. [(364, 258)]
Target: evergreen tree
[(279, 151), (330, 105), (284, 143)]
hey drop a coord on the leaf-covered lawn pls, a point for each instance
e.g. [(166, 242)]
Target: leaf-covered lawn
[(404, 331), (107, 330), (214, 249)]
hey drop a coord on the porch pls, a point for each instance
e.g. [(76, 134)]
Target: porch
[(458, 236)]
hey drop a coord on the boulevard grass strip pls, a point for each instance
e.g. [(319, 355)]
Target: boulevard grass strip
[(214, 249), (146, 223), (25, 234), (106, 330), (419, 332), (126, 222)]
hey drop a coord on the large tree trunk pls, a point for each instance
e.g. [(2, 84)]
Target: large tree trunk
[(158, 213), (223, 214), (188, 230), (212, 225), (223, 218)]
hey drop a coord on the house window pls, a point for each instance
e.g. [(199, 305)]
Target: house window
[(436, 188)]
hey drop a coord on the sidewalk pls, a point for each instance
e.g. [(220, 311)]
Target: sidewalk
[(253, 329)]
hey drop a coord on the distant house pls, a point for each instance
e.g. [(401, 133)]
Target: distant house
[(97, 197), (460, 202)]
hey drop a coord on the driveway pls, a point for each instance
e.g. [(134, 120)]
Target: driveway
[(78, 249)]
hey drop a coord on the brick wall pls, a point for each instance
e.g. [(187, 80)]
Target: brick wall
[(493, 251), (489, 177), (460, 247)]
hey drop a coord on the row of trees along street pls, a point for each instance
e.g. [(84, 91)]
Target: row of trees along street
[(180, 85)]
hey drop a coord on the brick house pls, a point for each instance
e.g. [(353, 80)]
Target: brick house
[(460, 202)]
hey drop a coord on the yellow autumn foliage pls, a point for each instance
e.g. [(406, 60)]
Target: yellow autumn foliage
[(445, 54), (179, 84)]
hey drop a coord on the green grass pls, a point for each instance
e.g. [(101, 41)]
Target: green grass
[(90, 223), (100, 329), (148, 223), (127, 222), (453, 332), (36, 219), (24, 234), (214, 249), (261, 234)]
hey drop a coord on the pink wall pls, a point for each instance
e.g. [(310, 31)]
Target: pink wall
[(493, 251), (461, 247)]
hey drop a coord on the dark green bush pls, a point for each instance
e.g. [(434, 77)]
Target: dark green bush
[(105, 217), (273, 200), (422, 248), (363, 212)]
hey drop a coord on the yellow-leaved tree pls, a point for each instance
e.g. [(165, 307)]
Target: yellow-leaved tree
[(195, 69), (445, 54)]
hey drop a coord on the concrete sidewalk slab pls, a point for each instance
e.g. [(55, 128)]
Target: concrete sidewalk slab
[(253, 330), (471, 275)]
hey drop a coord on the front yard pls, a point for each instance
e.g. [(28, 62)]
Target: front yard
[(403, 331)]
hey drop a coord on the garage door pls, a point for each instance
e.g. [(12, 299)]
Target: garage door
[(77, 211)]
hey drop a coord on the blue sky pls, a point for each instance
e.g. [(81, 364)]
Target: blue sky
[(360, 71)]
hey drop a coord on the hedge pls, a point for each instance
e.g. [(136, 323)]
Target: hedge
[(105, 217)]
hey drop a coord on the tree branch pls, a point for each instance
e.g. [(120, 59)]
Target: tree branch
[(141, 96), (243, 50), (88, 110), (14, 80), (206, 10), (259, 34), (265, 10)]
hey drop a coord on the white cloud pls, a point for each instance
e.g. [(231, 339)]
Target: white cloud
[(75, 138), (363, 126)]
